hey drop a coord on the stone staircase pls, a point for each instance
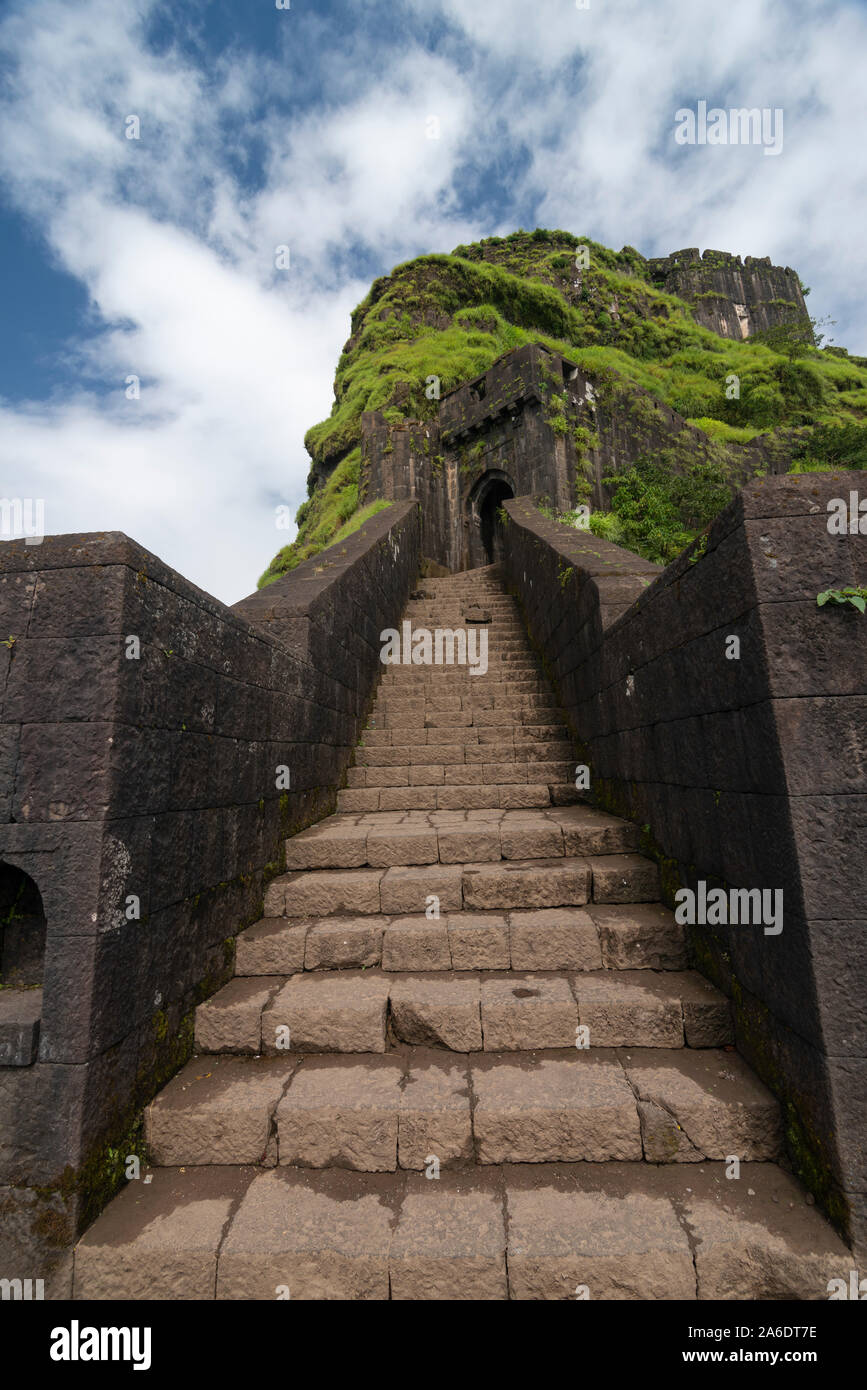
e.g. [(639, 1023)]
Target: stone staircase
[(394, 1097)]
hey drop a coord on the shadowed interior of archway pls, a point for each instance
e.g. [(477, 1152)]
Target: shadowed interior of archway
[(22, 929), (496, 493)]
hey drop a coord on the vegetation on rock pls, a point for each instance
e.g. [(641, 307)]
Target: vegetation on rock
[(326, 518), (452, 316)]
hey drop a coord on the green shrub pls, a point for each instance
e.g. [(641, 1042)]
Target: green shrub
[(660, 511), (804, 389), (830, 447), (607, 526)]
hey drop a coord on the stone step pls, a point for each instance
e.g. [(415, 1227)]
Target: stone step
[(380, 1112), (478, 715), (501, 647), (465, 684), (565, 881), (466, 726), (497, 604), (459, 771), (472, 717), (459, 603), (425, 754), (470, 688), (367, 1010), (517, 738), (505, 796), (501, 668), (426, 703), (431, 681), (502, 629), (636, 937), (466, 605), (521, 675), (449, 747), (413, 680), (380, 839), (503, 641), (543, 881), (609, 1231)]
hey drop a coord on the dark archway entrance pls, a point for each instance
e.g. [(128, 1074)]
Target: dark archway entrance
[(490, 529), (486, 532), (22, 929)]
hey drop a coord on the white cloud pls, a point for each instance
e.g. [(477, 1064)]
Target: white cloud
[(177, 256), (236, 361), (603, 155)]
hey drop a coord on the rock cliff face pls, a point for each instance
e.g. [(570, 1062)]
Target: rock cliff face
[(548, 363), (731, 298)]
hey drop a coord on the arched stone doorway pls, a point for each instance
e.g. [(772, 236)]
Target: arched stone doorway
[(485, 531), (22, 929)]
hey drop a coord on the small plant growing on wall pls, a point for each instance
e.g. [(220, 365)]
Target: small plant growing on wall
[(856, 597)]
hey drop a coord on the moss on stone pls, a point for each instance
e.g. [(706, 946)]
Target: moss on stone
[(452, 316)]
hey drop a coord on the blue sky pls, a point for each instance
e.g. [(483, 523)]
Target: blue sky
[(309, 127)]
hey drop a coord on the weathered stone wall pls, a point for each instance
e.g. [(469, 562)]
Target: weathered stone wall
[(748, 772), (626, 423), (154, 776), (407, 460), (733, 298)]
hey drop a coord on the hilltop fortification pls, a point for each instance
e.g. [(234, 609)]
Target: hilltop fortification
[(545, 364)]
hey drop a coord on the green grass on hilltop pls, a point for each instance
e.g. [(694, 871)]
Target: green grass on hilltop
[(452, 316), (326, 519)]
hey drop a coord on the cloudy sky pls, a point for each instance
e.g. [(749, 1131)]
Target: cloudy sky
[(309, 128)]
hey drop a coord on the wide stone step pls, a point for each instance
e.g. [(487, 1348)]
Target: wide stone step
[(410, 679), (378, 735), (565, 881), (370, 1010), (476, 754), (501, 619), (430, 681), (433, 703), (450, 768), (499, 647), (505, 796), (502, 614), (518, 737), (507, 659), (382, 839), (636, 937), (505, 633), (380, 1112), (457, 679), (465, 613), (616, 1231), (473, 718), (411, 682)]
